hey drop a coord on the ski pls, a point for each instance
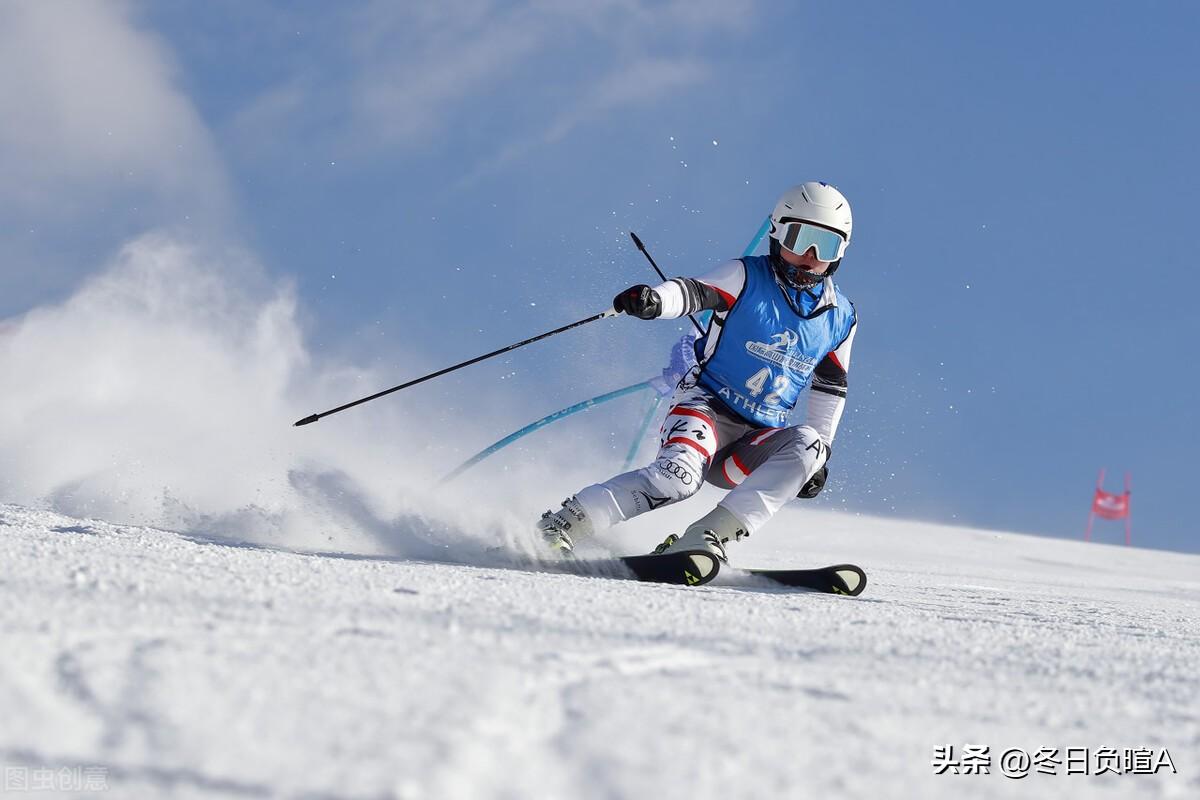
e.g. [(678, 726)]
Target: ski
[(687, 568), (845, 579)]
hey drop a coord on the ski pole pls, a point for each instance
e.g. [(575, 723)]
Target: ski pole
[(650, 258), (313, 418)]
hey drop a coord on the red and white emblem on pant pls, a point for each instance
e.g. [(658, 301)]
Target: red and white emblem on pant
[(734, 469), (691, 428)]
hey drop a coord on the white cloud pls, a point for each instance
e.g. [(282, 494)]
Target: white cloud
[(96, 141), (90, 104), (406, 73), (411, 80), (641, 82)]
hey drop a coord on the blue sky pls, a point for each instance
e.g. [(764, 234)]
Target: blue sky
[(431, 181)]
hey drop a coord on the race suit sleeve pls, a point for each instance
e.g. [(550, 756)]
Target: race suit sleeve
[(714, 291), (827, 394)]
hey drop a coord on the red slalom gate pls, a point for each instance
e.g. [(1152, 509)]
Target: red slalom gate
[(1107, 505)]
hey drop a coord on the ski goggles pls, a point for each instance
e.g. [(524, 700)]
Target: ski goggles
[(798, 236)]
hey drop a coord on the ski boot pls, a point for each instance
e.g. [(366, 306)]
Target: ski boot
[(558, 527), (711, 532)]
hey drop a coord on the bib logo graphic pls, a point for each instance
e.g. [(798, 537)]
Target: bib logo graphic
[(785, 341), (779, 352)]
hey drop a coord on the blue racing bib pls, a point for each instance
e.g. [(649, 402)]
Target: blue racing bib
[(769, 344)]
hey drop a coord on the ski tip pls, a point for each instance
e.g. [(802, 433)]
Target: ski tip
[(852, 577), (637, 241), (706, 568), (686, 568), (307, 420), (843, 579)]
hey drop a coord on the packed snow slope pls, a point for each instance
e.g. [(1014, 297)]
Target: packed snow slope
[(191, 666)]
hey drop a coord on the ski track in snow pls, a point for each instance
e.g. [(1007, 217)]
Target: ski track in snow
[(187, 668)]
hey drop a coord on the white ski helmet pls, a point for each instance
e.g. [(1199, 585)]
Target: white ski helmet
[(813, 214)]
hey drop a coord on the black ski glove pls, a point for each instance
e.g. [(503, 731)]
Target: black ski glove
[(639, 301), (815, 484)]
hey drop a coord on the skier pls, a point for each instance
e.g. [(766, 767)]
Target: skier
[(779, 324)]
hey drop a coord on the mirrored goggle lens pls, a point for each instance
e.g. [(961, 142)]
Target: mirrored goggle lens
[(799, 236)]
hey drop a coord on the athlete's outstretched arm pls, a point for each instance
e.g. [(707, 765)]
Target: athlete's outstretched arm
[(716, 290)]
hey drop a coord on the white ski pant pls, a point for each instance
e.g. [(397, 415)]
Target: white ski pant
[(700, 440)]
